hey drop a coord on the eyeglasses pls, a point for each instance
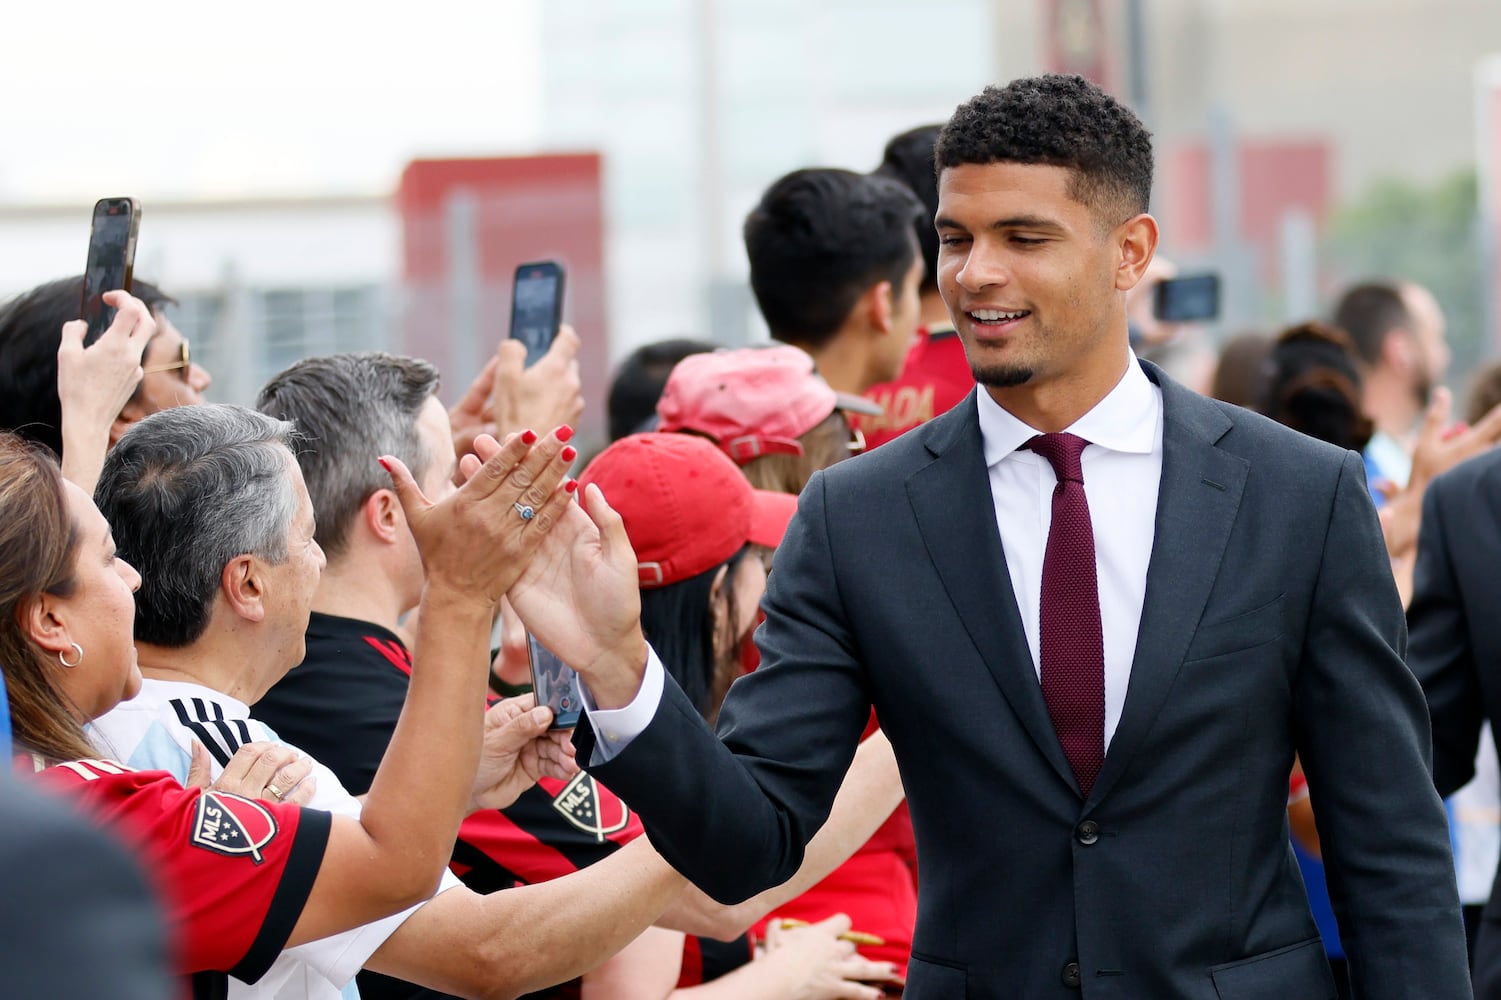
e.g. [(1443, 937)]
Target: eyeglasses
[(183, 363)]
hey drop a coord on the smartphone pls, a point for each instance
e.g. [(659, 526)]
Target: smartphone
[(537, 306), (111, 260), (556, 685), (1189, 299)]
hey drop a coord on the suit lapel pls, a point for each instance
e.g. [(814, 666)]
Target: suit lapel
[(955, 515), (1197, 502)]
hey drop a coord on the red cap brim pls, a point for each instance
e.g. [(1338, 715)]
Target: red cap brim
[(770, 514)]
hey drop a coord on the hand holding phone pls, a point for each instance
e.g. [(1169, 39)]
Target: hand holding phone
[(110, 262)]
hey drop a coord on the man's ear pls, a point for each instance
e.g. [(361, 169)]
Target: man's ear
[(1398, 350), (719, 606), (383, 516), (130, 414), (1136, 242), (878, 304), (45, 621), (243, 587)]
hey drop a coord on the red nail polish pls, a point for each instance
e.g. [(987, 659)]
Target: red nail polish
[(571, 486), (565, 433), (528, 437), (384, 464), (570, 453)]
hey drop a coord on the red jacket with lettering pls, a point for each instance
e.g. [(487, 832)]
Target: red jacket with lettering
[(934, 379)]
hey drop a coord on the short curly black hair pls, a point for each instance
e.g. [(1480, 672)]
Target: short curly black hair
[(1062, 121)]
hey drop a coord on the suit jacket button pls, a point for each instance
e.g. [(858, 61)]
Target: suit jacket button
[(1087, 832), (1072, 977)]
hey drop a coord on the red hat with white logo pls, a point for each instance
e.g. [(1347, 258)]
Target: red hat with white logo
[(752, 402), (687, 508)]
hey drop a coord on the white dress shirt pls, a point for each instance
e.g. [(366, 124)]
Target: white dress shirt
[(1122, 471)]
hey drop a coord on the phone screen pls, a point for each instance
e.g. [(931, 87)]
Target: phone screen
[(111, 259), (1187, 299), (537, 307), (556, 685)]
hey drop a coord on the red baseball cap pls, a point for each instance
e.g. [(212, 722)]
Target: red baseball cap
[(752, 402), (687, 508)]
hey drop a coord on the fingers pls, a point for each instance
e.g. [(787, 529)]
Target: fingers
[(507, 709), (861, 968), (518, 460), (295, 781), (72, 340), (483, 448), (613, 541), (413, 501), (565, 348), (538, 474), (239, 765), (201, 770), (515, 728), (132, 321)]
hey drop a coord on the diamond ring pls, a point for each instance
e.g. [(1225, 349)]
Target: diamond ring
[(526, 511)]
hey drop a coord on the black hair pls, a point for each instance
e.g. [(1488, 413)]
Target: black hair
[(1313, 386), (1061, 121), (31, 327), (909, 159), (678, 621), (1370, 311), (640, 379), (818, 240)]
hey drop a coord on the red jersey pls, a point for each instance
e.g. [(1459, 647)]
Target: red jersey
[(935, 378), (234, 873)]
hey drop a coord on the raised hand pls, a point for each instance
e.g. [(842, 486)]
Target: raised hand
[(476, 541), (548, 393), (518, 750), (95, 382)]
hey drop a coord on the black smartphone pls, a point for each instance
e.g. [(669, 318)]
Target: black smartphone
[(1188, 299), (556, 685), (537, 306), (111, 260)]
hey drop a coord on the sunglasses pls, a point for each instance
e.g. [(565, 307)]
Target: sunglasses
[(183, 363)]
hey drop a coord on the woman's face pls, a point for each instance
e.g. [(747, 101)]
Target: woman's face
[(99, 615), (165, 386)]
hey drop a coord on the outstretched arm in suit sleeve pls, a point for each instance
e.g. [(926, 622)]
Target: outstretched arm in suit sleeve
[(1361, 727), (1438, 649), (734, 816)]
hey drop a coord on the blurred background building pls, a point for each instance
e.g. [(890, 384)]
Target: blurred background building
[(1300, 144)]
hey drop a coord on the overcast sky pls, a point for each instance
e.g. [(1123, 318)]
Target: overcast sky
[(175, 99)]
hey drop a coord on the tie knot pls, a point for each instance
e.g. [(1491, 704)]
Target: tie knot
[(1062, 452)]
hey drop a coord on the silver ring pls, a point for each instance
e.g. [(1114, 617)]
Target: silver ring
[(274, 792), (527, 511)]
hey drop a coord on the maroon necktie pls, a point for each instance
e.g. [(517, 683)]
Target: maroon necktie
[(1072, 640)]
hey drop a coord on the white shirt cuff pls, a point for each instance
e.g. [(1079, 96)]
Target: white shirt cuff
[(614, 728)]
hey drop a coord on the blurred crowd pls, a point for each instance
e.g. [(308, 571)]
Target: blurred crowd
[(268, 669)]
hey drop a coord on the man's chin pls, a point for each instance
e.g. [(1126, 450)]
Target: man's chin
[(1002, 376)]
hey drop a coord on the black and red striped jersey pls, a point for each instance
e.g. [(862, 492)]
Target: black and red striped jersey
[(234, 873)]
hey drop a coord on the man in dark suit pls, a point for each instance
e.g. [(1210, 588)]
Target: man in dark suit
[(1456, 644), (1096, 614)]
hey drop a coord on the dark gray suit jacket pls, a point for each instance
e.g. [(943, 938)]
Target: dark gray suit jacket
[(1455, 652), (1271, 626)]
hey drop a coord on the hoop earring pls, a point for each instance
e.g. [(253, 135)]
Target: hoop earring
[(64, 662)]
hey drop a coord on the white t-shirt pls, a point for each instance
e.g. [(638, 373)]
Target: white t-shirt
[(155, 731)]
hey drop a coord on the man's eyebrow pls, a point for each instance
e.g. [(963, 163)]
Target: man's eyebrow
[(1013, 222)]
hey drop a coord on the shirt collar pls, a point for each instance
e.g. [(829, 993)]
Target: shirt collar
[(1125, 420)]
